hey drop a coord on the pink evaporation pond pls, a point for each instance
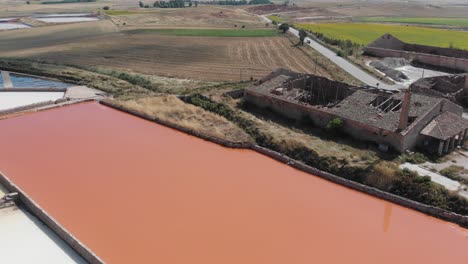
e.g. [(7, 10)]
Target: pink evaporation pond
[(138, 192)]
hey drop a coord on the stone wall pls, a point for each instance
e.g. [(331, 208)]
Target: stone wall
[(447, 52), (442, 62)]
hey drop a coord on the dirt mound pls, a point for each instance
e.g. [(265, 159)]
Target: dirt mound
[(395, 62), (388, 65)]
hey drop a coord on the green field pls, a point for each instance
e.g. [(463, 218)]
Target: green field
[(460, 22), (366, 33), (276, 19), (211, 32)]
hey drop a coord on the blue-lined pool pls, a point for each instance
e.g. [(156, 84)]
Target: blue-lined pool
[(25, 81)]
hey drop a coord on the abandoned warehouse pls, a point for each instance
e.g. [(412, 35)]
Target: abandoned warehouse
[(397, 120)]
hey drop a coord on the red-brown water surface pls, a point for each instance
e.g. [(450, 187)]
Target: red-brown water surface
[(137, 192)]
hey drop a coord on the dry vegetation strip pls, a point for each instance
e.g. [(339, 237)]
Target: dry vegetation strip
[(171, 109)]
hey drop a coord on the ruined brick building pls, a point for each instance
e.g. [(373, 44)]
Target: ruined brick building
[(441, 58), (452, 87), (397, 120)]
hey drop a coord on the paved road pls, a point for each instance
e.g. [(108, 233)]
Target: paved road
[(449, 184), (347, 66)]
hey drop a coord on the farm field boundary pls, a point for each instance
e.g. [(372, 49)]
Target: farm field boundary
[(364, 34), (209, 32), (459, 22)]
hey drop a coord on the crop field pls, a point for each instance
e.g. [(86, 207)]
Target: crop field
[(202, 16), (458, 22), (276, 19), (198, 58), (211, 32), (366, 33)]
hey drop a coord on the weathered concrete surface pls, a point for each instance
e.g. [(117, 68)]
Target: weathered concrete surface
[(24, 239), (12, 99), (6, 80), (83, 92)]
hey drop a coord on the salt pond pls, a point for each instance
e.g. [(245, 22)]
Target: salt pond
[(67, 18), (12, 25), (25, 81), (9, 100), (137, 192)]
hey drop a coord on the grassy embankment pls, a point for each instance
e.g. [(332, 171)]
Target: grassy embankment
[(456, 22), (209, 32), (121, 85), (363, 34)]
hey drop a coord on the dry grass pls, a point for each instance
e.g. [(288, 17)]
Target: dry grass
[(290, 137), (169, 108), (383, 175)]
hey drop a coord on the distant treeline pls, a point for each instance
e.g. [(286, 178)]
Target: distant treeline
[(171, 4), (189, 3), (237, 2), (67, 1)]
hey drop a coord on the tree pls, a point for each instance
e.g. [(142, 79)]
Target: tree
[(27, 2), (284, 27), (302, 36), (196, 3), (141, 4), (190, 4)]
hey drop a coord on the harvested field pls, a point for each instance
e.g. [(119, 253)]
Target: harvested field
[(202, 16), (47, 37), (199, 58), (211, 32)]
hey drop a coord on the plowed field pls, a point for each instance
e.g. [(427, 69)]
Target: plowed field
[(200, 58)]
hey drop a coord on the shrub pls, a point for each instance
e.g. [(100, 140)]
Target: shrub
[(415, 158), (284, 27), (335, 125), (106, 8), (452, 171)]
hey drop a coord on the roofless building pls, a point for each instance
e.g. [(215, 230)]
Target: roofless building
[(398, 120)]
